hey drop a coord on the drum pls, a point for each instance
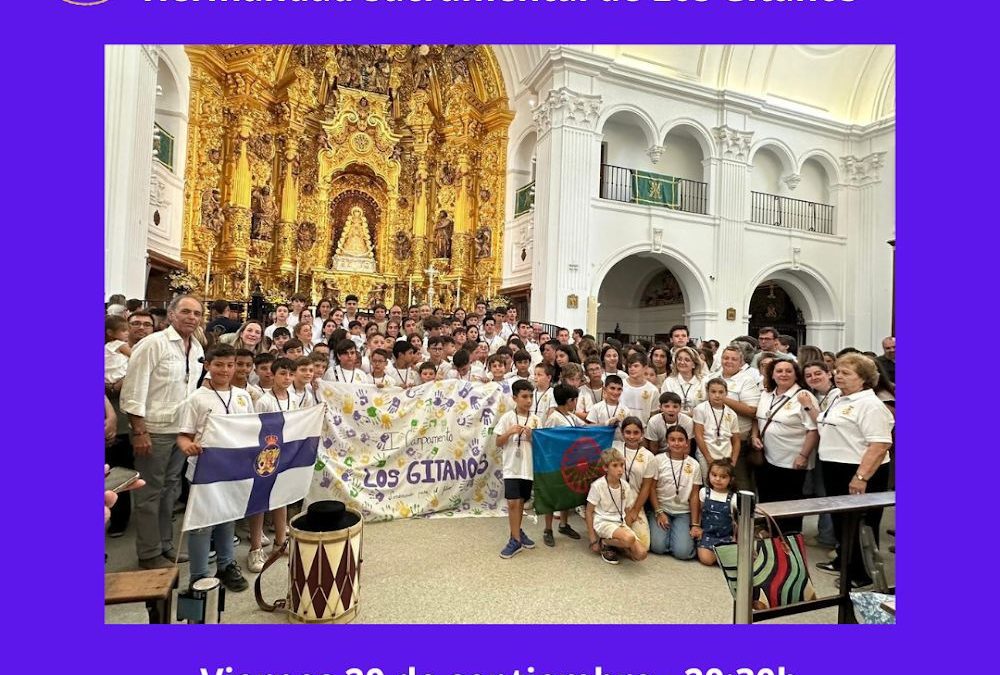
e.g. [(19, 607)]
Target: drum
[(324, 572)]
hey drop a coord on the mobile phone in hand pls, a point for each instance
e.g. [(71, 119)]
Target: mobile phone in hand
[(120, 479)]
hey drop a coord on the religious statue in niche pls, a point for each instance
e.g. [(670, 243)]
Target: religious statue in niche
[(263, 211), (420, 65), (484, 238), (211, 210), (305, 236), (354, 251), (376, 296), (663, 289), (444, 228), (330, 290), (447, 174), (403, 245)]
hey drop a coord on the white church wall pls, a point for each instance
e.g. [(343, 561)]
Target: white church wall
[(166, 203), (766, 173)]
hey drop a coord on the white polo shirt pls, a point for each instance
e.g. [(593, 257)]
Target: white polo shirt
[(160, 376), (602, 414), (743, 387), (692, 392), (786, 432), (850, 424), (675, 479)]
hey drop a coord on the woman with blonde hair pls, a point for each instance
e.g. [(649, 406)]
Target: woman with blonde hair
[(251, 336), (855, 433), (686, 379)]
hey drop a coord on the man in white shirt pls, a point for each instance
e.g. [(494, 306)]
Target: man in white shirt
[(510, 326), (281, 320), (350, 310), (163, 369), (299, 302), (490, 337)]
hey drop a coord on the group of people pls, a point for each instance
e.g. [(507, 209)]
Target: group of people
[(692, 421)]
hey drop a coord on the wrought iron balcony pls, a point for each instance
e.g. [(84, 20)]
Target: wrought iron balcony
[(796, 214), (622, 184)]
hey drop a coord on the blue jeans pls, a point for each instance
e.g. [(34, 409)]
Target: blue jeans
[(676, 540), (199, 542)]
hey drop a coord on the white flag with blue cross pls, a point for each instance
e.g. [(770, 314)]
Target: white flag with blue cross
[(251, 464)]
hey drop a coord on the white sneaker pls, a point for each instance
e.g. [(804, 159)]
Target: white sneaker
[(264, 541), (256, 560)]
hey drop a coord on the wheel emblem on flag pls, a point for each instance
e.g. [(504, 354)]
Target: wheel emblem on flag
[(267, 459), (581, 464)]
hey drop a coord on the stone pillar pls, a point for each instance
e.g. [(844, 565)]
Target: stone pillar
[(130, 110), (568, 164), (731, 190), (869, 260)]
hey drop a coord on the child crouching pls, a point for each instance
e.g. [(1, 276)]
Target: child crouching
[(609, 499)]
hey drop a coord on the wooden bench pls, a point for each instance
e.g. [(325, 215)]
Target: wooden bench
[(154, 587)]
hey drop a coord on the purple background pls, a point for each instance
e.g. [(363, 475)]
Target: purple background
[(53, 143)]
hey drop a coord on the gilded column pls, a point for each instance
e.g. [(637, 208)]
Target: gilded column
[(322, 228), (462, 244), (420, 120), (237, 236), (289, 206)]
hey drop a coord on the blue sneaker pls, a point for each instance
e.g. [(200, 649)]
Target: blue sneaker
[(525, 541), (512, 548)]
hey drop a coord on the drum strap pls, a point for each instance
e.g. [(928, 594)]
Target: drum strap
[(278, 604)]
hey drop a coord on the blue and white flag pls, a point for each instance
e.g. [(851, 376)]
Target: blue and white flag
[(252, 464)]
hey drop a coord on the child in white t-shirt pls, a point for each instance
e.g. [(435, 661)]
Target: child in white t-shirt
[(608, 501), (542, 401), (217, 397), (716, 427), (564, 396), (670, 415), (674, 504), (513, 438), (640, 472), (116, 349), (638, 394), (611, 411), (718, 504), (592, 392)]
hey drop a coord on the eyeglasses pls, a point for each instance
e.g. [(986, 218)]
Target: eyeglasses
[(138, 324)]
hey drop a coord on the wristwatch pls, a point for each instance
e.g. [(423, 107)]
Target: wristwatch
[(861, 478)]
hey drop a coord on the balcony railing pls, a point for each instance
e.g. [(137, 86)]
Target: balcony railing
[(524, 199), (796, 214), (622, 184)]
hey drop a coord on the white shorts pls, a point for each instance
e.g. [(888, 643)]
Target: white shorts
[(606, 528)]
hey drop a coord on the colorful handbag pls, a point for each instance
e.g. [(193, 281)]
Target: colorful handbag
[(780, 570)]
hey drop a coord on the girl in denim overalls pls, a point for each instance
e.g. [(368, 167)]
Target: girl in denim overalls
[(717, 506)]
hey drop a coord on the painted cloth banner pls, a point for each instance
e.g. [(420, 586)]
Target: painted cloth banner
[(252, 464), (566, 461), (654, 189), (394, 453)]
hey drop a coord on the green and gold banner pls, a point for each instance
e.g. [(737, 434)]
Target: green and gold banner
[(655, 189)]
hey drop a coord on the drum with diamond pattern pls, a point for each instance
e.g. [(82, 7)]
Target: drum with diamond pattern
[(325, 571)]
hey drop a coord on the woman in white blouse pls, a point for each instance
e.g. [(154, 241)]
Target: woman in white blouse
[(787, 435), (855, 435), (687, 379)]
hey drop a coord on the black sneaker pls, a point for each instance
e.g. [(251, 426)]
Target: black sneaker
[(829, 566), (548, 538), (232, 578), (568, 531), (609, 555)]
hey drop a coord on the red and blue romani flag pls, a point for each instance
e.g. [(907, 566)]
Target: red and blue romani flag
[(566, 461)]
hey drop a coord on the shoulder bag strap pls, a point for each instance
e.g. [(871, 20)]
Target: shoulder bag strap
[(258, 594)]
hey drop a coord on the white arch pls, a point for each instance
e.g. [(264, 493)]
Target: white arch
[(180, 84), (515, 146), (806, 286), (702, 135), (825, 160), (648, 126), (781, 151), (695, 287)]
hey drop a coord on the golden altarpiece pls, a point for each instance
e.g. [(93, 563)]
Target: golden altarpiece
[(377, 170)]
